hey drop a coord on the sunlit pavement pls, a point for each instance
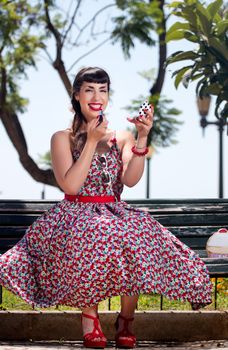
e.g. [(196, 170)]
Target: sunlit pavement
[(41, 345)]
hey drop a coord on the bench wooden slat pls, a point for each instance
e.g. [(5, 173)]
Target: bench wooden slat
[(168, 205), (193, 219), (194, 242), (180, 209), (176, 206), (216, 261), (15, 231), (217, 267), (17, 219), (193, 231), (9, 242), (182, 231), (181, 220), (201, 252), (20, 206)]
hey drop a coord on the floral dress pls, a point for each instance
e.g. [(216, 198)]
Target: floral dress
[(78, 254)]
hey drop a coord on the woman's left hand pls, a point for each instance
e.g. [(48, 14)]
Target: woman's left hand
[(143, 124)]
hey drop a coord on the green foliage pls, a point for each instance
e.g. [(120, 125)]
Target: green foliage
[(137, 21), (206, 26), (165, 124), (45, 160), (18, 46), (146, 301)]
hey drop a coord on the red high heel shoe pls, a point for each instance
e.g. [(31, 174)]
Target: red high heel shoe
[(89, 338), (124, 338)]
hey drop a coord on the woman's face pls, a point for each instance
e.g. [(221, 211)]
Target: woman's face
[(92, 97)]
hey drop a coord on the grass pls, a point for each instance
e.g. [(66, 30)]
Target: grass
[(146, 302)]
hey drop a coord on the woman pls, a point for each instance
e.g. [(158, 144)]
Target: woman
[(91, 245)]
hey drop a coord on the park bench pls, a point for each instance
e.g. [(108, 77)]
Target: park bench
[(191, 220)]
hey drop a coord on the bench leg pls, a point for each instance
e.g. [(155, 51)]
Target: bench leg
[(216, 292), (161, 302), (109, 304), (0, 295)]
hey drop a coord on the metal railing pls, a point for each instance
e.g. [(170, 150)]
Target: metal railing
[(161, 303)]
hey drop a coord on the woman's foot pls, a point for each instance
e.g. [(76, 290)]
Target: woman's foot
[(124, 336), (198, 306), (93, 337)]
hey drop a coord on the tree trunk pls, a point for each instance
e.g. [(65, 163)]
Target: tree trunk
[(157, 87), (60, 67), (16, 135)]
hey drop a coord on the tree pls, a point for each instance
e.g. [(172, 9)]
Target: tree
[(165, 124), (18, 48), (205, 26), (137, 20), (21, 43)]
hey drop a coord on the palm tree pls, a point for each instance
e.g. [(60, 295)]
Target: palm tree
[(206, 26)]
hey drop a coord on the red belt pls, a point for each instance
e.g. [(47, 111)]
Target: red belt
[(88, 199)]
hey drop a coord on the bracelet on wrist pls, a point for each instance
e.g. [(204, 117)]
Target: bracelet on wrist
[(137, 153)]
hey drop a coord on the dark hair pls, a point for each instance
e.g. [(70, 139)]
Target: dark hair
[(89, 75)]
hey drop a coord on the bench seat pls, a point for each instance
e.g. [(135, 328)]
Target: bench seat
[(193, 221)]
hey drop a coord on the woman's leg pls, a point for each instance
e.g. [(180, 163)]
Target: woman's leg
[(128, 306), (88, 324), (91, 310)]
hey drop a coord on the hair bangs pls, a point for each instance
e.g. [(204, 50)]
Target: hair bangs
[(96, 75)]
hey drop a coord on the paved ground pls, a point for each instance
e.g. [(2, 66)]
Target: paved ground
[(142, 345)]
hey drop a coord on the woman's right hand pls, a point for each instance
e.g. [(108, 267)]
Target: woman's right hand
[(96, 132)]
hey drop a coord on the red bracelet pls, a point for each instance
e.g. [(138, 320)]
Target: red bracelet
[(133, 149)]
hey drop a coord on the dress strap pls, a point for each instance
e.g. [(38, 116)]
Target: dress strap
[(113, 139)]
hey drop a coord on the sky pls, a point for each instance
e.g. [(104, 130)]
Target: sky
[(188, 169)]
